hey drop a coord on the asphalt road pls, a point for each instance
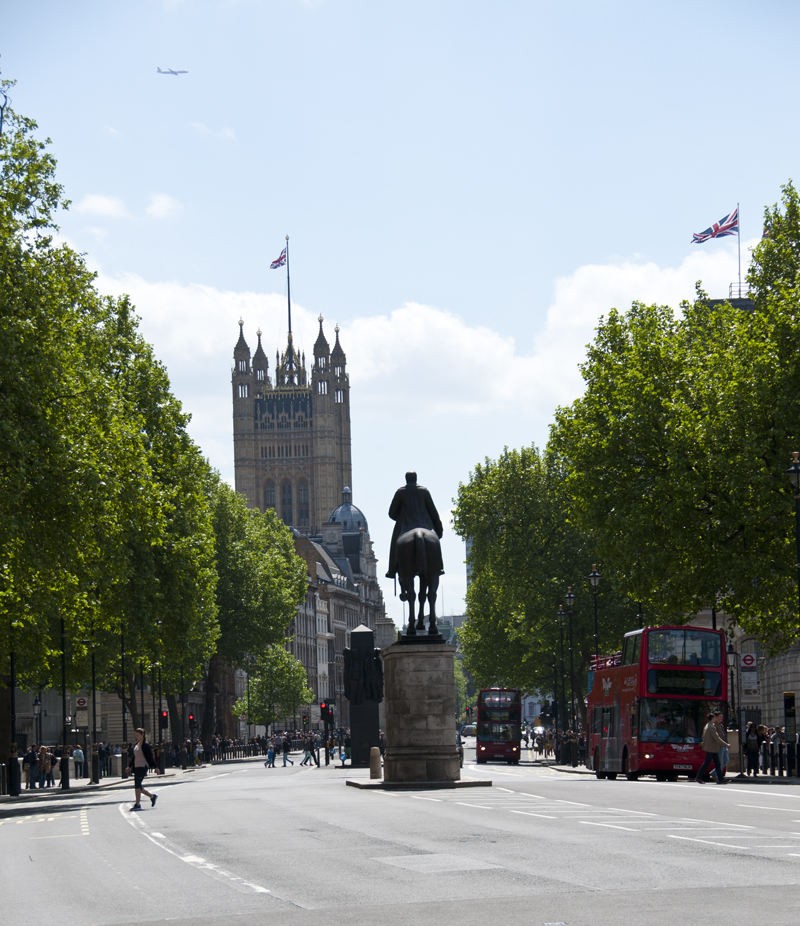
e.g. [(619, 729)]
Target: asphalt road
[(296, 845)]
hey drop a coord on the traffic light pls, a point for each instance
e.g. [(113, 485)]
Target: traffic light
[(323, 711), (164, 718), (305, 720), (192, 721)]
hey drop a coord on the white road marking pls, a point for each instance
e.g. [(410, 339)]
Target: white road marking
[(642, 813), (611, 826), (418, 798), (759, 807), (708, 842), (528, 813), (478, 806), (738, 826), (194, 860)]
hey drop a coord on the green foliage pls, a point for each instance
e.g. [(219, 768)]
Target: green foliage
[(261, 578), (674, 456), (525, 554), (278, 686)]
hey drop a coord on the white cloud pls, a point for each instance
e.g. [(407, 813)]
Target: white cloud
[(105, 206), (202, 129), (430, 391), (163, 206), (110, 130)]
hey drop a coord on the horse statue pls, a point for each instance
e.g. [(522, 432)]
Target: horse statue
[(416, 552)]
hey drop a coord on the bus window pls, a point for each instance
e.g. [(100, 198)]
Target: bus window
[(637, 647), (684, 647), (608, 722), (672, 721)]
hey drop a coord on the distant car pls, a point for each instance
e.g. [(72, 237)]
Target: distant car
[(468, 729), (460, 748)]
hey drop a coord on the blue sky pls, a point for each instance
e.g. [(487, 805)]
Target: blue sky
[(468, 188)]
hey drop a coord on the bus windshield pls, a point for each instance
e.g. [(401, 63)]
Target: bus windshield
[(498, 733), (673, 720), (689, 647)]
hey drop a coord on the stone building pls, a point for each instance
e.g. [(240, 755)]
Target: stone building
[(291, 437), (291, 432)]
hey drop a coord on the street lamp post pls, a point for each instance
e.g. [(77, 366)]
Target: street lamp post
[(594, 581), (555, 696), (570, 598), (736, 702), (37, 715), (563, 709), (794, 477)]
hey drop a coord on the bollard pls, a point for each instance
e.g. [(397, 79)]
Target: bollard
[(95, 765), (13, 772), (375, 762)]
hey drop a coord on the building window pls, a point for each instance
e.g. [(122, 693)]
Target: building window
[(339, 395), (320, 363), (338, 371), (302, 504), (260, 374), (322, 387), (242, 390), (242, 366), (286, 503), (269, 496)]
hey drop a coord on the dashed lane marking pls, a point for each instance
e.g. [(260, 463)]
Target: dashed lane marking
[(194, 860), (528, 813), (611, 826)]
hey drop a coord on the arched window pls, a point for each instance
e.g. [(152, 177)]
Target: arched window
[(286, 503), (269, 495), (303, 519)]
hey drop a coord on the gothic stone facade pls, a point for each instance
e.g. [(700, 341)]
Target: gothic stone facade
[(291, 435)]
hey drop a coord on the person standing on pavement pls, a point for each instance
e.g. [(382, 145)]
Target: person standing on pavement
[(712, 743), (143, 759), (77, 755)]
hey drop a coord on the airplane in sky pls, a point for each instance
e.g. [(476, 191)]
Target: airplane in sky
[(170, 71)]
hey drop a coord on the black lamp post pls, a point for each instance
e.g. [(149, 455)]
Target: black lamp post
[(555, 696), (63, 762), (736, 701), (570, 598), (794, 477), (594, 581), (37, 714), (560, 618)]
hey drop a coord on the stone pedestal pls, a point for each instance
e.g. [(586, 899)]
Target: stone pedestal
[(420, 714)]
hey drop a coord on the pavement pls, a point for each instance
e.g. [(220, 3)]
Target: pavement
[(545, 844)]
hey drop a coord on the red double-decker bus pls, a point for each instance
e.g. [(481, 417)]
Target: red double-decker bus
[(499, 728), (647, 705)]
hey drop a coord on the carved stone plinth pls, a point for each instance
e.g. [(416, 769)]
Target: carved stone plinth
[(420, 714)]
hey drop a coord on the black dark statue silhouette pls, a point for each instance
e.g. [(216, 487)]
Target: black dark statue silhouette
[(415, 551)]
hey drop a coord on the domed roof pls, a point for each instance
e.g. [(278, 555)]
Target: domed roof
[(350, 517)]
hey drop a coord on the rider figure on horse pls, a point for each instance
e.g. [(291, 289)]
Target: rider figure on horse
[(415, 549)]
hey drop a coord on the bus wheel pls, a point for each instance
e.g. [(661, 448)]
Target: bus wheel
[(596, 763), (631, 776), (612, 776), (661, 776)]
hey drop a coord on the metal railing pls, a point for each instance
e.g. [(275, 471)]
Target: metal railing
[(739, 291)]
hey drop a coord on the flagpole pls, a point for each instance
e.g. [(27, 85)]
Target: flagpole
[(739, 237), (289, 292)]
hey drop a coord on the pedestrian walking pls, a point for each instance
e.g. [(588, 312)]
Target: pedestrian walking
[(286, 747), (270, 763), (143, 760), (712, 743)]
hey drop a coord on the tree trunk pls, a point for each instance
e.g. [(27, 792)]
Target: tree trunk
[(174, 718), (5, 718), (212, 676), (133, 708)]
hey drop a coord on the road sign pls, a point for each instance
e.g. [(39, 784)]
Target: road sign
[(748, 661), (82, 704)]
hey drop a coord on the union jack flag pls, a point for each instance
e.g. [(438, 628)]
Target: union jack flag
[(278, 262), (727, 226)]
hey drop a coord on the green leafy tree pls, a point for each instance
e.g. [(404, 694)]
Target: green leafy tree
[(525, 554), (674, 455), (278, 687), (261, 581)]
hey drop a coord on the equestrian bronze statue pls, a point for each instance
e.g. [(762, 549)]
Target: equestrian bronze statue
[(416, 552)]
